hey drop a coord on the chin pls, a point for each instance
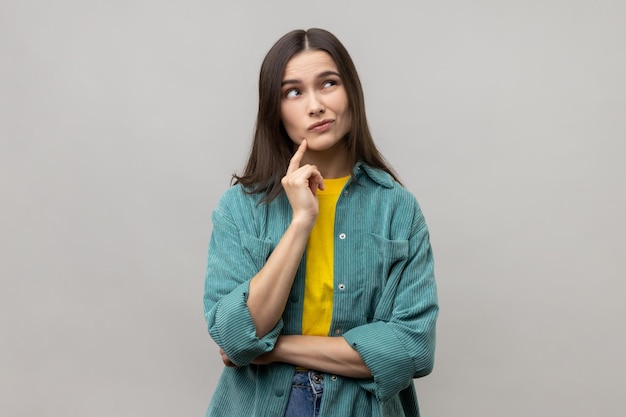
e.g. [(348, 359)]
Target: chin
[(324, 145)]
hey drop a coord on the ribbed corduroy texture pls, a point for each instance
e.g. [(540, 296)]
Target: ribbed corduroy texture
[(385, 301)]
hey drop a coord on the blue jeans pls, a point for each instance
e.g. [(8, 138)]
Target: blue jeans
[(306, 394)]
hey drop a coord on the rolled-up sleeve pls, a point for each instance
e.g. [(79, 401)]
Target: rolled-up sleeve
[(229, 271), (399, 344)]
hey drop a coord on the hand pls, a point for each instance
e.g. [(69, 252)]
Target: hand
[(301, 184), (264, 359), (227, 360)]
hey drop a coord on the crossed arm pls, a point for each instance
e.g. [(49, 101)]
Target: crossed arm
[(327, 354)]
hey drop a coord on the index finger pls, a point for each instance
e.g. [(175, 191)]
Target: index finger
[(294, 164)]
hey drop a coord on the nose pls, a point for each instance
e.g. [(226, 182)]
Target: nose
[(315, 105)]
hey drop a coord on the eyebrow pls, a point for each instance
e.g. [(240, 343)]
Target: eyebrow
[(320, 75)]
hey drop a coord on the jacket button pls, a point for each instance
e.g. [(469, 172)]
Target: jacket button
[(342, 236), (279, 392), (342, 287)]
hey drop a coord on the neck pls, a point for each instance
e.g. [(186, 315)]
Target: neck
[(332, 163)]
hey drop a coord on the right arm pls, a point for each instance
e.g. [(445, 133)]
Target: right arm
[(270, 288), (243, 303)]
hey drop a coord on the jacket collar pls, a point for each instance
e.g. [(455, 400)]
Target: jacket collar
[(379, 176)]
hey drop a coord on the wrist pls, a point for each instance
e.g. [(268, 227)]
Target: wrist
[(275, 354), (303, 223)]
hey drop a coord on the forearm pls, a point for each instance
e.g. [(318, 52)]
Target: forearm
[(270, 288), (327, 354)]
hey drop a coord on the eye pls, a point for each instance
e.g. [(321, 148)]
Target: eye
[(292, 93), (329, 83)]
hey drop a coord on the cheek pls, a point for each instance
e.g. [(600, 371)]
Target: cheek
[(340, 102), (343, 110), (285, 120), (287, 116), (347, 122), (347, 115), (289, 122)]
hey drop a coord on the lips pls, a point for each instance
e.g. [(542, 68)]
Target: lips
[(322, 125)]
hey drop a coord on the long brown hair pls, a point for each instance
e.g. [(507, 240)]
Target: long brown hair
[(272, 148)]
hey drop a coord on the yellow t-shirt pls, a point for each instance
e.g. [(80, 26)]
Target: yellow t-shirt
[(320, 255)]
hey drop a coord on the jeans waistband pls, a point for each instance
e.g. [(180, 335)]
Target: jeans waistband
[(308, 378)]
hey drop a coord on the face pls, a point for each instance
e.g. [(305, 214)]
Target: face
[(314, 102)]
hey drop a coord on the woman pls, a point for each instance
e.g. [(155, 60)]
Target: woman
[(319, 289)]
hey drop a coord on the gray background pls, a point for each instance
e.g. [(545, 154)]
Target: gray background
[(121, 122)]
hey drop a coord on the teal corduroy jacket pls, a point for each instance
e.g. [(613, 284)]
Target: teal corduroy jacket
[(385, 300)]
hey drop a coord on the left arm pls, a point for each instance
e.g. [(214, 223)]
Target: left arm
[(399, 344)]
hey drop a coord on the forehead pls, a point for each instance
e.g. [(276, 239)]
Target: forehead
[(309, 63)]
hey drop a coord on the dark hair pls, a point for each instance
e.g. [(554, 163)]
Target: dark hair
[(272, 148)]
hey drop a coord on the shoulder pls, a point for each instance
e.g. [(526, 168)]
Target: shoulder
[(384, 183), (240, 206), (390, 193), (235, 202), (235, 194)]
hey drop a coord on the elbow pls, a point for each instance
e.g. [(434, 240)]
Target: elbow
[(241, 352), (242, 345), (427, 370), (425, 364)]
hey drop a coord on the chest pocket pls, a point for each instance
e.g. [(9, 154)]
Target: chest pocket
[(386, 253), (386, 261), (256, 250)]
